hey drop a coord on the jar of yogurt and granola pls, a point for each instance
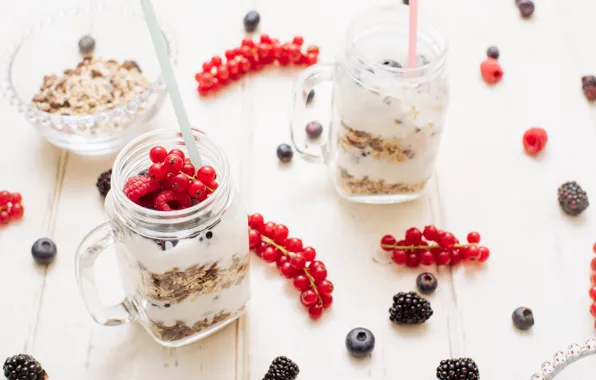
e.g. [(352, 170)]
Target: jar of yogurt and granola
[(386, 119), (183, 263)]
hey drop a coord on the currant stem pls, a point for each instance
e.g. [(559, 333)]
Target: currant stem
[(194, 179), (414, 247), (286, 253)]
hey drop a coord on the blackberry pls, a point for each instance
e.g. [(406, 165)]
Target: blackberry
[(572, 198), (589, 87), (23, 367), (282, 368), (458, 369), (104, 183), (409, 308)]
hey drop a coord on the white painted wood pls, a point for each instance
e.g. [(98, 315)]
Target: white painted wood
[(484, 182)]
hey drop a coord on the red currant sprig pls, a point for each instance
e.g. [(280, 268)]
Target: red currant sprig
[(11, 207), (414, 249), (253, 56), (270, 242)]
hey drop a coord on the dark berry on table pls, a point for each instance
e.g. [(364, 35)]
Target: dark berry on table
[(392, 63), (104, 182), (526, 8), (23, 367), (282, 368), (86, 45), (44, 251), (314, 129), (284, 153), (589, 87), (360, 342), (409, 308), (251, 21), (426, 282), (572, 198), (406, 2), (458, 369), (310, 96), (492, 52), (523, 318)]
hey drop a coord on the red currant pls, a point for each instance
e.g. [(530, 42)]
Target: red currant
[(473, 237), (427, 258), (247, 41), (230, 54), (206, 174), (288, 270), (312, 49), (207, 66), (269, 229), (593, 309), (301, 282), (261, 247), (593, 247), (298, 261), (188, 169), (471, 253), (216, 61), (254, 238), (484, 254), (315, 311), (173, 163), (244, 65), (387, 240), (256, 221), (157, 154), (456, 257), (318, 273), (281, 260), (593, 264), (180, 183), (327, 300), (316, 264), (413, 236), (280, 234), (197, 190), (309, 253), (177, 152), (447, 240), (298, 40), (294, 53), (265, 39), (593, 293), (158, 171), (293, 244), (270, 254), (443, 258), (593, 278), (399, 256), (213, 186), (412, 260), (16, 198), (325, 287), (223, 74), (308, 297), (16, 211), (430, 233), (4, 217), (233, 68)]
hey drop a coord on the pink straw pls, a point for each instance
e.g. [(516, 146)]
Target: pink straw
[(413, 34)]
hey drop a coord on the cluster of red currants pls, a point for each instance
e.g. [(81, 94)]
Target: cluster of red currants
[(11, 207), (270, 242), (253, 56), (414, 250), (593, 287)]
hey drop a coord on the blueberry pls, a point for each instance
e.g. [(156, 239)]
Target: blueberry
[(310, 96), (392, 63), (284, 153), (360, 342), (426, 282), (251, 21), (526, 8), (209, 235), (492, 52), (86, 44), (523, 318), (314, 129), (44, 251)]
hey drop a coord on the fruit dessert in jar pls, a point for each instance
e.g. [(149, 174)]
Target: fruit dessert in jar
[(387, 118), (182, 241)]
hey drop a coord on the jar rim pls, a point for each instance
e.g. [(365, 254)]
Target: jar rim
[(417, 71)]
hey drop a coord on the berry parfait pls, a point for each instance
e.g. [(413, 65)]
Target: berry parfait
[(87, 79), (182, 247)]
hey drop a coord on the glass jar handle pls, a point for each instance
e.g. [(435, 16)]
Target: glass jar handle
[(308, 79), (89, 250)]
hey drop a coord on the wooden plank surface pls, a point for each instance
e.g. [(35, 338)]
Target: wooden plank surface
[(484, 182)]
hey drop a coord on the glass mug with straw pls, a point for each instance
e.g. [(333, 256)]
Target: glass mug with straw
[(386, 117)]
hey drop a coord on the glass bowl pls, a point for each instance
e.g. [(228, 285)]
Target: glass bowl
[(51, 46)]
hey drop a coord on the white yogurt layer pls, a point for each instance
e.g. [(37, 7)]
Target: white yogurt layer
[(192, 309)]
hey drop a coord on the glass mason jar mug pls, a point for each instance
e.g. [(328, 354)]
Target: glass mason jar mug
[(185, 273), (386, 119)]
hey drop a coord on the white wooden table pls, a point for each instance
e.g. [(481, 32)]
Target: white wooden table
[(483, 182)]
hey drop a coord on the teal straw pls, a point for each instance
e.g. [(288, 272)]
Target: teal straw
[(168, 75)]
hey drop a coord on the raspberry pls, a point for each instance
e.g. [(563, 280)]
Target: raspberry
[(139, 188), (169, 200), (491, 71), (534, 140)]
